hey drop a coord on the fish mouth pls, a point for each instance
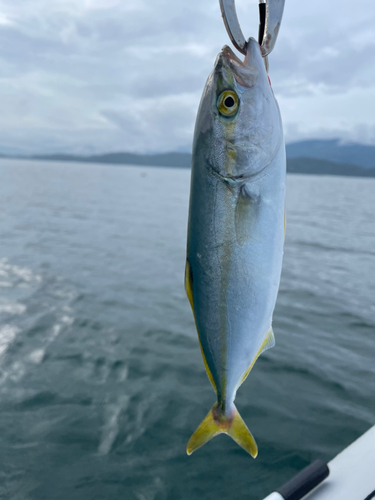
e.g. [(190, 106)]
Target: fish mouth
[(231, 57), (245, 72)]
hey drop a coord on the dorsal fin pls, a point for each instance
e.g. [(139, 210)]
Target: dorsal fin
[(189, 285), (189, 293)]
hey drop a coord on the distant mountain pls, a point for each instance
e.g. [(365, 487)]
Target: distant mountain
[(324, 167), (333, 150), (183, 160), (346, 155), (308, 157), (158, 160)]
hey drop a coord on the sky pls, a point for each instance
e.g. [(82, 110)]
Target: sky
[(94, 76)]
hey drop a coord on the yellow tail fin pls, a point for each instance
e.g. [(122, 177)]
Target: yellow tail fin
[(216, 423)]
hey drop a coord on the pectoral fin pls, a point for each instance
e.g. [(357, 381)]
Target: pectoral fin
[(245, 213)]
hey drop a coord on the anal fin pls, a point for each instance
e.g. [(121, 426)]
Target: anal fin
[(268, 342)]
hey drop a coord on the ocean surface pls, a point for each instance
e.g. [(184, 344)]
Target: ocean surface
[(101, 377)]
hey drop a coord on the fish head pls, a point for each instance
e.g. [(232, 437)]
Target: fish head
[(239, 115)]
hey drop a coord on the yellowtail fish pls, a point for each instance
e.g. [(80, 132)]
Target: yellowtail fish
[(236, 231)]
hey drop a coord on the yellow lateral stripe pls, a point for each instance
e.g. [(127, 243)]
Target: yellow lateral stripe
[(189, 293)]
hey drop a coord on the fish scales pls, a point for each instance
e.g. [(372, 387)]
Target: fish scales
[(235, 231)]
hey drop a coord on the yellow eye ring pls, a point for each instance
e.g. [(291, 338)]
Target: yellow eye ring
[(228, 103)]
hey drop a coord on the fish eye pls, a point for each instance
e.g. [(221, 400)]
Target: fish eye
[(227, 103)]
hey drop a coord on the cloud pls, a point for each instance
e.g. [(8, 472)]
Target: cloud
[(109, 75)]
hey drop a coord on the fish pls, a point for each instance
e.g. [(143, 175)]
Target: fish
[(236, 231)]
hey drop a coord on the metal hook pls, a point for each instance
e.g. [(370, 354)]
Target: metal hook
[(271, 13)]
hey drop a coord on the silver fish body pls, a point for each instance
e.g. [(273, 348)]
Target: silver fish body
[(236, 230)]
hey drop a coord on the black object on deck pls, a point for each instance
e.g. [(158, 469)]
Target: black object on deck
[(304, 481), (262, 22)]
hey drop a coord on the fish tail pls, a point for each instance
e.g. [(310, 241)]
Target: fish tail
[(216, 422)]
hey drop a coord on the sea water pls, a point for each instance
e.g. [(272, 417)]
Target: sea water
[(101, 377)]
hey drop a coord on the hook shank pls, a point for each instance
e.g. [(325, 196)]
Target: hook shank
[(228, 11)]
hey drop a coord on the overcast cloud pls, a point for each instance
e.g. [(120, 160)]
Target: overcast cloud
[(91, 76)]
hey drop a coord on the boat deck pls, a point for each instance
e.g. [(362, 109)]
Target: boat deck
[(352, 473)]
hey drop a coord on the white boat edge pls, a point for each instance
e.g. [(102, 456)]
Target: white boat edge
[(352, 474)]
